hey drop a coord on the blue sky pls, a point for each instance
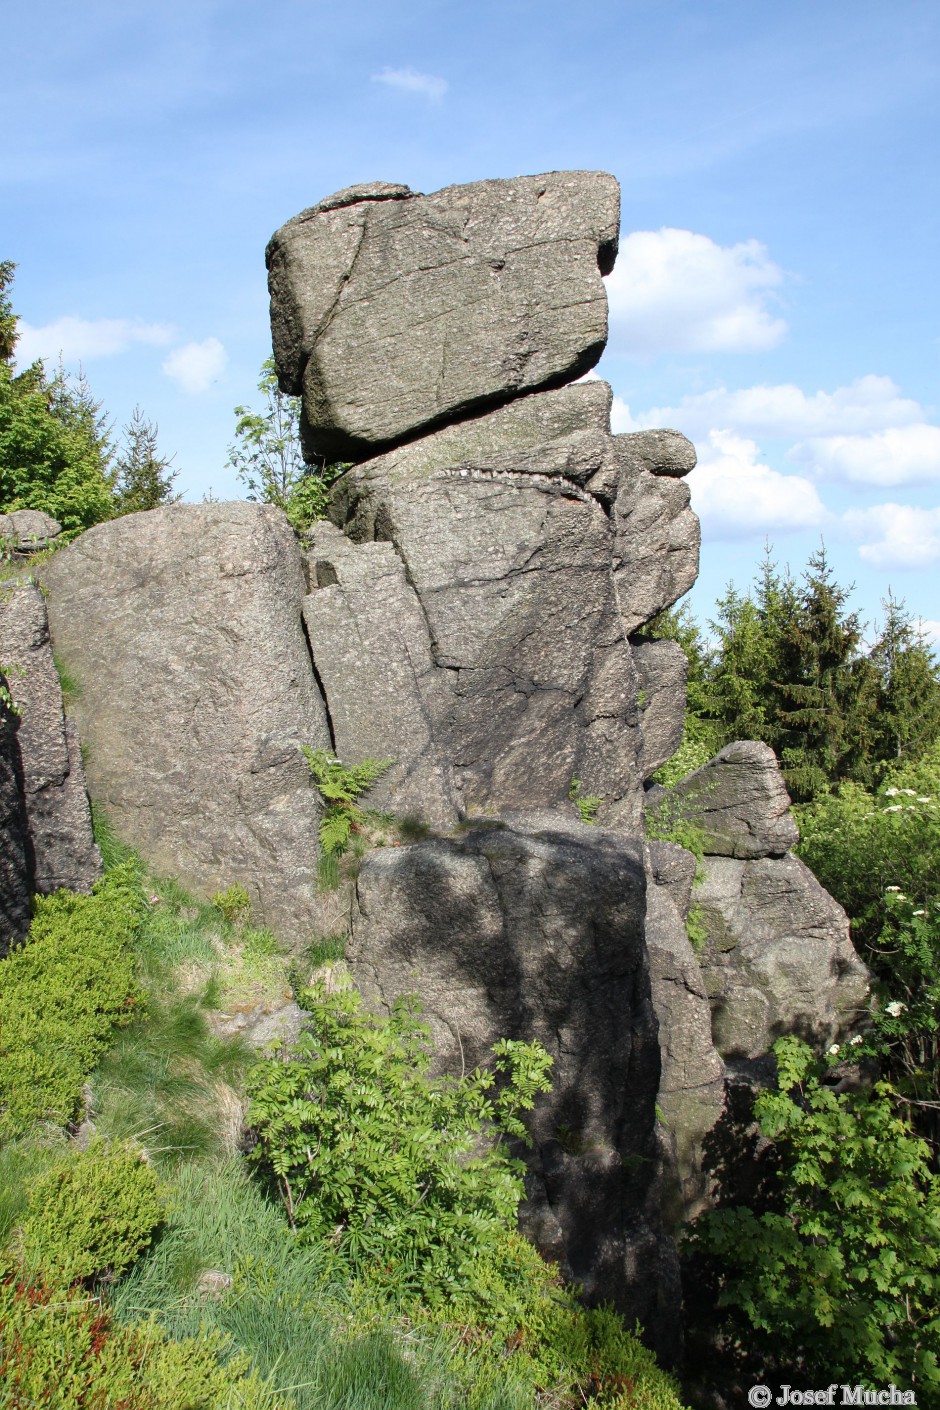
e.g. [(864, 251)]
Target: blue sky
[(776, 297)]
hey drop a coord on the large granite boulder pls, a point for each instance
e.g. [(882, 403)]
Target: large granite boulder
[(182, 627), (534, 929), (393, 311), (16, 860), (740, 802), (662, 668), (507, 625), (53, 780), (778, 958)]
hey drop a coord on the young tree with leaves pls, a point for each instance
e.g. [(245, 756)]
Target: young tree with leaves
[(268, 459)]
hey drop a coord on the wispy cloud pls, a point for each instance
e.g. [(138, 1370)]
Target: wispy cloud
[(411, 81), (83, 339), (673, 291), (195, 366)]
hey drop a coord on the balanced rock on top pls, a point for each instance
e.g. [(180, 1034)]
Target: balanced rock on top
[(393, 311)]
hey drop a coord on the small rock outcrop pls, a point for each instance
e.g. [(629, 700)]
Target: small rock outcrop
[(778, 958), (394, 311), (26, 531), (183, 630), (740, 803), (60, 847)]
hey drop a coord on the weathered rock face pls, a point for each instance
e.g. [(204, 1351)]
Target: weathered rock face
[(740, 802), (394, 311), (535, 931), (513, 597), (778, 957), (61, 844), (183, 629)]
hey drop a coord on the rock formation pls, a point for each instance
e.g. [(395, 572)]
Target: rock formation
[(470, 611), (182, 627), (48, 842)]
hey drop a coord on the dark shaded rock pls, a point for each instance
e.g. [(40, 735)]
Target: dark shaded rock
[(535, 931), (692, 1086), (662, 668), (182, 627), (58, 815), (28, 530), (394, 312), (16, 858), (778, 958), (661, 452), (740, 802)]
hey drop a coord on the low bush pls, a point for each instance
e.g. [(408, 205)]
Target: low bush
[(64, 1350), (90, 1215), (394, 1168), (62, 994)]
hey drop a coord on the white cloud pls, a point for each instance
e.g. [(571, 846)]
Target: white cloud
[(735, 495), (899, 455), (195, 366), (869, 403), (622, 421), (931, 631), (413, 82), (675, 291), (895, 535), (81, 339)]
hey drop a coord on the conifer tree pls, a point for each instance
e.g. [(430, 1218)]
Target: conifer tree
[(143, 478)]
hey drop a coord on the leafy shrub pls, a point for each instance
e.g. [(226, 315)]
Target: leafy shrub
[(62, 993), (391, 1165), (341, 786), (879, 855), (64, 1349), (91, 1215), (843, 1281)]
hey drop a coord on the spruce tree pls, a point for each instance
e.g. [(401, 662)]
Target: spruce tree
[(143, 476), (908, 715)]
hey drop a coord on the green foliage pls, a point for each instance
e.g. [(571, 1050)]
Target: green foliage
[(90, 1215), (55, 450), (843, 1283), (341, 786), (234, 903), (67, 1346), (586, 804), (382, 1160), (62, 993), (787, 665), (142, 476), (267, 456), (879, 855)]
